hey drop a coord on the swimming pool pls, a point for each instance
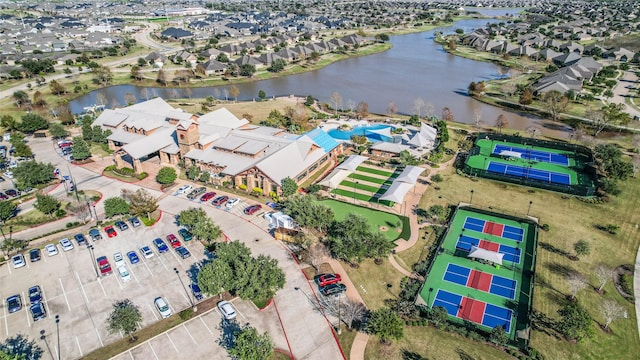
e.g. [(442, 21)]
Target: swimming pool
[(367, 131)]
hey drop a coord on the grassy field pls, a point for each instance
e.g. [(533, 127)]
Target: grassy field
[(259, 110), (373, 282)]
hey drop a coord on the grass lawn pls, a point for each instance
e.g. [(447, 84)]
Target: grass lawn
[(418, 252), (346, 340), (259, 109), (364, 187), (374, 171), (374, 279), (370, 179), (570, 220), (376, 218), (350, 193)]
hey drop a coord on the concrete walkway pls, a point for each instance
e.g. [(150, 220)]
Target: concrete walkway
[(636, 287)]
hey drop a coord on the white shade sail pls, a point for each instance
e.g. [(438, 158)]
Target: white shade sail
[(492, 256)]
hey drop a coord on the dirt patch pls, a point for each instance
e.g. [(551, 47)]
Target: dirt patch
[(383, 228), (311, 273), (398, 230), (618, 274)]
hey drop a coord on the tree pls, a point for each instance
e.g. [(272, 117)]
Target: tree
[(8, 122), (140, 202), (47, 204), (56, 88), (214, 276), (129, 98), (161, 78), (234, 91), (526, 98), (38, 99), (362, 109), (582, 247), (247, 70), (498, 336), (501, 122), (336, 99), (352, 239), (262, 94), (555, 102), (102, 75), (307, 213), (349, 311), (576, 323), (80, 149), (7, 210), (115, 206), (136, 74), (31, 173), (317, 254), (392, 108), (192, 172), (611, 311), (80, 209), (576, 282), (18, 347), (604, 273), (32, 122), (533, 131), (277, 66), (248, 344), (406, 158), (58, 131), (289, 187), (21, 98), (447, 115), (125, 317), (166, 175), (386, 324)]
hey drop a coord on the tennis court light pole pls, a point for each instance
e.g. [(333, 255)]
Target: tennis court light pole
[(354, 191), (529, 209), (471, 198)]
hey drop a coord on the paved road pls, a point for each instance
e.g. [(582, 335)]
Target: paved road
[(623, 89)]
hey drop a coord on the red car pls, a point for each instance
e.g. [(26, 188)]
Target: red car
[(220, 200), (250, 210), (208, 196), (173, 240), (103, 264), (328, 279), (111, 232)]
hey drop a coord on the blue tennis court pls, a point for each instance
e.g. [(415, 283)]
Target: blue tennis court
[(511, 253), (535, 155), (529, 173), (480, 280), (497, 316), (513, 233), (476, 311), (508, 232), (474, 224)]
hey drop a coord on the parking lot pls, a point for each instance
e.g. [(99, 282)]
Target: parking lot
[(83, 301)]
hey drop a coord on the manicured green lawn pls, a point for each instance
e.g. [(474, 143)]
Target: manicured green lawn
[(376, 218), (374, 171), (374, 180), (359, 186)]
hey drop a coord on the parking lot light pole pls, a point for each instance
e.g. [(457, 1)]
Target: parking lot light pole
[(93, 260), (193, 305), (43, 337), (58, 333)]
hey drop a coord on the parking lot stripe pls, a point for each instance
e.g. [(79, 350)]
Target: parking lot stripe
[(171, 341), (102, 287), (132, 273), (186, 297), (147, 266), (131, 355), (44, 302), (189, 333), (9, 268), (162, 262), (153, 351), (6, 323), (207, 326), (26, 309), (65, 294), (86, 299), (153, 312), (78, 343), (99, 338)]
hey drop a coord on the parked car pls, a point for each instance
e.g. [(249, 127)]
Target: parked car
[(227, 310), (119, 260), (9, 175), (250, 210), (173, 240), (183, 252), (38, 311), (14, 303), (146, 252), (133, 257), (134, 222), (196, 192), (51, 249), (95, 234), (124, 274), (185, 234), (160, 245), (121, 225), (328, 279), (110, 231), (11, 192), (208, 196), (333, 289), (103, 264), (3, 196), (197, 293), (163, 307), (219, 200), (185, 189), (35, 294), (80, 239), (18, 261), (232, 202), (34, 255), (66, 244)]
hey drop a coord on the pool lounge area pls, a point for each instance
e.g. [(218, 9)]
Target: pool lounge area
[(375, 132)]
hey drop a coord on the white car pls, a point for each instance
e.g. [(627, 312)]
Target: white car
[(232, 202), (119, 259), (185, 189), (66, 244), (146, 252), (124, 274), (8, 174), (18, 261), (163, 307), (51, 249), (227, 310)]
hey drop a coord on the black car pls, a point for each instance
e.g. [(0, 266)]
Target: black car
[(12, 192), (80, 239), (35, 294), (333, 289), (95, 234), (122, 225), (197, 293), (38, 312), (183, 252), (34, 255)]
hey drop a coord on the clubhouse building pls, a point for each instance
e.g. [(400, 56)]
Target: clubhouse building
[(232, 150)]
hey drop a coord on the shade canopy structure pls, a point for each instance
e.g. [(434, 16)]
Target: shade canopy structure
[(396, 191), (335, 178), (410, 174), (384, 132), (510, 153), (478, 253), (426, 137), (352, 162)]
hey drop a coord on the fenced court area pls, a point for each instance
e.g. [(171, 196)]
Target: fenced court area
[(485, 293), (551, 165), (367, 184)]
